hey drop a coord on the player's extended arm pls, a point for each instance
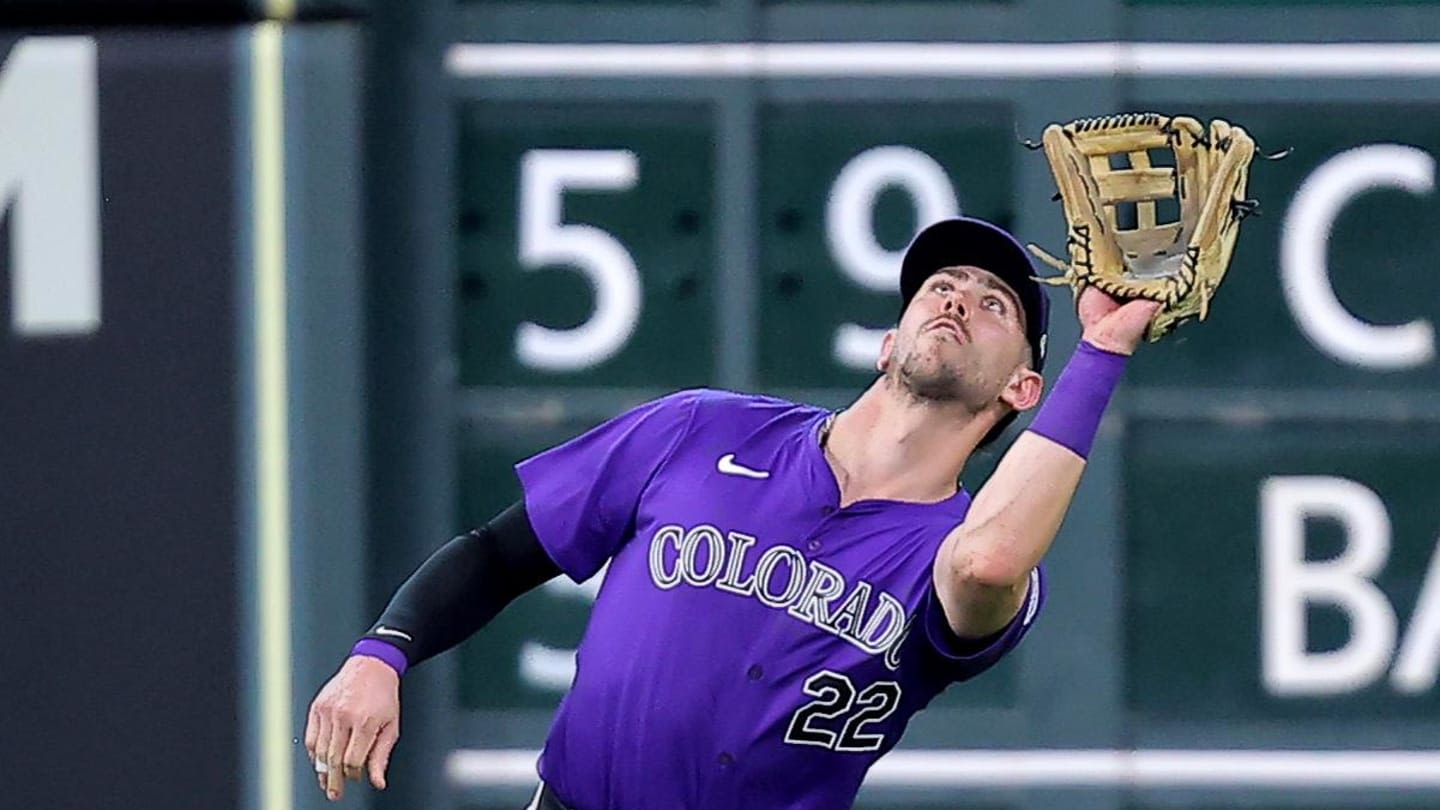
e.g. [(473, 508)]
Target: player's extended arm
[(355, 719), (984, 565)]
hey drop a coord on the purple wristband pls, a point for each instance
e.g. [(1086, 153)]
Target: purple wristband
[(1071, 414), (389, 653)]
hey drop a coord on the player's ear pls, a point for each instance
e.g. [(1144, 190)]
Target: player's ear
[(887, 345), (1022, 391)]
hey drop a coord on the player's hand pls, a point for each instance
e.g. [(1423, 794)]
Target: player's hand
[(1114, 325), (354, 722)]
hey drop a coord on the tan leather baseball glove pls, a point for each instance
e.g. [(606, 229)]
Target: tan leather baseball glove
[(1114, 172)]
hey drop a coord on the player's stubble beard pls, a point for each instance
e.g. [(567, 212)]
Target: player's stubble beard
[(932, 370)]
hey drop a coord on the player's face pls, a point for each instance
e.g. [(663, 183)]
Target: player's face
[(961, 339)]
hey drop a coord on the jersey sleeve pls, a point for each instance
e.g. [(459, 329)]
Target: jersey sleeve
[(582, 495), (962, 659)]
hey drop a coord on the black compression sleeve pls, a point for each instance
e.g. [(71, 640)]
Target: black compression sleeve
[(463, 585)]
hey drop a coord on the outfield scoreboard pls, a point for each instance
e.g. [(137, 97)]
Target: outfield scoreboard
[(1280, 460), (1251, 567)]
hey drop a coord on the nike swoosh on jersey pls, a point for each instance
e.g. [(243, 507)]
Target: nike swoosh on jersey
[(727, 465), (382, 630)]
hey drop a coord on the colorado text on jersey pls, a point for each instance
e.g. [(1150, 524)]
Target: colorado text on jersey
[(782, 578)]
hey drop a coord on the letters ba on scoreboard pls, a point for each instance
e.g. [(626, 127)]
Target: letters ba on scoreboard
[(1336, 282), (586, 241), (1282, 572)]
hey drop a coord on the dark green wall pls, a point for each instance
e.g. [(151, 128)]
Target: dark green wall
[(1153, 636)]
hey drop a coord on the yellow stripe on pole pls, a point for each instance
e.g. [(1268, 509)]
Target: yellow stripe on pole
[(280, 9), (272, 418)]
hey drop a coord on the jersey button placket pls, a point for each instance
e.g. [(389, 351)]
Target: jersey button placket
[(827, 513)]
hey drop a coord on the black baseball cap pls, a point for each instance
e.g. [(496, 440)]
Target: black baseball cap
[(966, 240)]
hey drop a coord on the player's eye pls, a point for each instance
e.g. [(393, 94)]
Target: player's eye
[(994, 304), (944, 286)]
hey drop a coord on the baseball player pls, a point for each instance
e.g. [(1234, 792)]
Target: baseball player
[(787, 585)]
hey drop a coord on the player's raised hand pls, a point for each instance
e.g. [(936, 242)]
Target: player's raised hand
[(354, 722), (1114, 325)]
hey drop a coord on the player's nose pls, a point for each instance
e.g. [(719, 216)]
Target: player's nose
[(955, 304)]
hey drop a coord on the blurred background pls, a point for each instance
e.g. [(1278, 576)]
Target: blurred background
[(288, 286)]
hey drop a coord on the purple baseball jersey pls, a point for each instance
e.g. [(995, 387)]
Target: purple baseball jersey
[(753, 644)]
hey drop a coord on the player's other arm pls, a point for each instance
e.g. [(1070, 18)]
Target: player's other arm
[(355, 719), (463, 585), (983, 567), (579, 509)]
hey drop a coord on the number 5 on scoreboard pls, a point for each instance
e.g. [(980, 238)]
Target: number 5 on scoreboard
[(546, 240)]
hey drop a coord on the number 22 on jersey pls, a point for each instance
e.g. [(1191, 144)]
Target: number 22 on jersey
[(835, 697)]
